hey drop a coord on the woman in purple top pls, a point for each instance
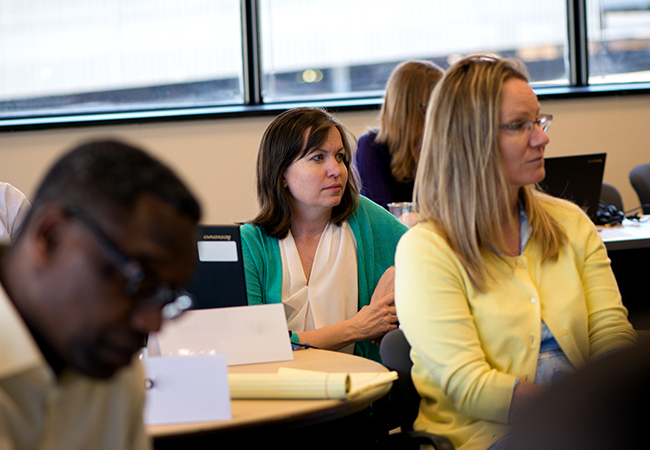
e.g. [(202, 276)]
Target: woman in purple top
[(387, 158)]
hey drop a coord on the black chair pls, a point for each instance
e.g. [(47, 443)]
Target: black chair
[(403, 399), (640, 179), (610, 196)]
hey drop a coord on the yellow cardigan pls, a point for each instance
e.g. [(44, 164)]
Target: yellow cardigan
[(468, 347)]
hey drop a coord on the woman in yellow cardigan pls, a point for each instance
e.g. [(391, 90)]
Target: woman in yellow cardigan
[(501, 289)]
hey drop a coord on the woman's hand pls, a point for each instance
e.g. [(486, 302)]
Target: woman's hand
[(379, 317), (370, 323)]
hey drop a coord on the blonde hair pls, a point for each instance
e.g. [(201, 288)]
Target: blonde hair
[(460, 185), (402, 115)]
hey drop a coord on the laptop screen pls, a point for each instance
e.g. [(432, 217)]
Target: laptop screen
[(576, 178), (218, 280)]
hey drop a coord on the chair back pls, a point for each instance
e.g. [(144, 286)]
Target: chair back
[(403, 398), (610, 195), (640, 179)]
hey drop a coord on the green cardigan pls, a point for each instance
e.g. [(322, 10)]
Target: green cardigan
[(376, 232)]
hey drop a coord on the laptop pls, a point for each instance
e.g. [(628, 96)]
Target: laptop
[(218, 280), (576, 178)]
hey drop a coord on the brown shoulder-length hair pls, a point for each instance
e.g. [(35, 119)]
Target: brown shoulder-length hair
[(461, 186), (402, 115), (283, 142)]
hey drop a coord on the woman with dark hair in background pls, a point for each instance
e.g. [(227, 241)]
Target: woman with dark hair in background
[(316, 245), (387, 158)]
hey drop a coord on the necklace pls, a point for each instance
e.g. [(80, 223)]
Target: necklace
[(304, 251), (300, 247)]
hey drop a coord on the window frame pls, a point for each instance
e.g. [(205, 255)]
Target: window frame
[(254, 105)]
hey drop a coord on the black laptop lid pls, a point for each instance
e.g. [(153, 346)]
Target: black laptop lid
[(218, 279), (576, 178)]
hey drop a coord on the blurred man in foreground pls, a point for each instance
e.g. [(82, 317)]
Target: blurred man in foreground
[(110, 236)]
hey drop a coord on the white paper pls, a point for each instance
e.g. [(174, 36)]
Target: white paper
[(628, 231), (217, 251), (246, 334), (299, 385), (184, 389), (359, 381)]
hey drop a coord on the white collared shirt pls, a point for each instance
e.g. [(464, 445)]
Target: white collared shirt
[(13, 210), (73, 412)]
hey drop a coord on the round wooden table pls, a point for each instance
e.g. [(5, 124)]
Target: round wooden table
[(279, 415)]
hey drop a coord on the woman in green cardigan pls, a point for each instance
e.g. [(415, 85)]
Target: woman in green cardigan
[(316, 245)]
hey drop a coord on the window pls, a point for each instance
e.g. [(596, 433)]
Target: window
[(85, 60), (349, 48), (618, 36), (75, 56)]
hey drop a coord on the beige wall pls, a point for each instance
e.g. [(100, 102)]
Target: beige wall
[(217, 157)]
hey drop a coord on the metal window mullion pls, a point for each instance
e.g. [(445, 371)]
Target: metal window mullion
[(578, 52), (251, 50)]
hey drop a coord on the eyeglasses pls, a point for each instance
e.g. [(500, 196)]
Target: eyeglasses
[(146, 293), (526, 126)]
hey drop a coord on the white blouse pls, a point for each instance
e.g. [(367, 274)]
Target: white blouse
[(331, 295)]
